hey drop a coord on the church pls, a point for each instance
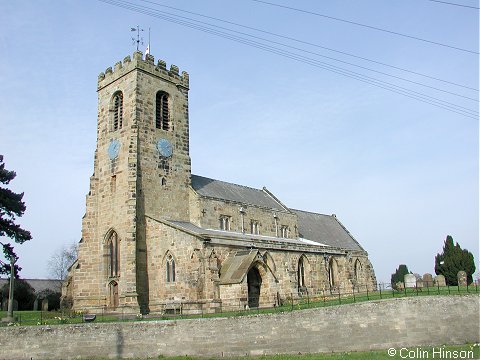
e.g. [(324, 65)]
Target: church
[(157, 238)]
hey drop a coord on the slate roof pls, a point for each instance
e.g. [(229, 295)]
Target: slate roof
[(325, 229), (232, 192)]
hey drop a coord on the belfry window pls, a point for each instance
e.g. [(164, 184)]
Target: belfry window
[(170, 265), (113, 252), (117, 111), (225, 222), (284, 231), (161, 111)]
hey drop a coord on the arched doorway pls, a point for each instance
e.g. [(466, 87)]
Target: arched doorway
[(254, 281), (113, 295)]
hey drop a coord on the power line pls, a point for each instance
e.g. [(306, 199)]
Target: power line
[(302, 50), (367, 26), (311, 44), (454, 4), (379, 83)]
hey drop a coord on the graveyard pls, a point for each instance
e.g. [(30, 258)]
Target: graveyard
[(411, 287)]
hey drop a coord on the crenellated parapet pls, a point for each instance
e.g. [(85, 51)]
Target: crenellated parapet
[(121, 68)]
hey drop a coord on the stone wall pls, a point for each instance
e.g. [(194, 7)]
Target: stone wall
[(406, 322), (213, 209), (198, 267)]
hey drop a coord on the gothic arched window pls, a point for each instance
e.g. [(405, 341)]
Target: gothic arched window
[(161, 111), (113, 254), (332, 272), (357, 270), (170, 265), (301, 273), (117, 111)]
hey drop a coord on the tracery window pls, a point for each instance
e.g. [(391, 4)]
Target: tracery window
[(284, 231), (161, 111), (117, 111), (113, 253), (225, 222), (170, 269)]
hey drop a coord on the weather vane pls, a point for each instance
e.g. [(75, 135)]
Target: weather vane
[(139, 40)]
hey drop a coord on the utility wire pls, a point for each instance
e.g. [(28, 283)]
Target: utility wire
[(391, 87), (299, 49), (367, 26), (454, 4), (312, 44), (325, 64)]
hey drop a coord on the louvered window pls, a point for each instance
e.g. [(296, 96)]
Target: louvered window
[(117, 111), (161, 111)]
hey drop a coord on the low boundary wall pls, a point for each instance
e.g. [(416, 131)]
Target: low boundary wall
[(405, 322)]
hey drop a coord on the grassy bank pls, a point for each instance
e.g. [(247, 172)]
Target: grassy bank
[(467, 351)]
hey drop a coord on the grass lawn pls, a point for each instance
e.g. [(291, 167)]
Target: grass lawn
[(467, 351)]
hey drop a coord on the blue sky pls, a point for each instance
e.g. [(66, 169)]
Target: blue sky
[(399, 173)]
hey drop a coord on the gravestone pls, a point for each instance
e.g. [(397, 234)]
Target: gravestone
[(45, 305), (440, 280), (419, 283), (410, 280), (427, 280), (462, 278), (35, 305)]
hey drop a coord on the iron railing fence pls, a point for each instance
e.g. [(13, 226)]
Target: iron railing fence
[(239, 306)]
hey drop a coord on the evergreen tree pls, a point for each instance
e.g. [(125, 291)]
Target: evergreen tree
[(398, 276), (11, 206), (23, 292), (452, 260)]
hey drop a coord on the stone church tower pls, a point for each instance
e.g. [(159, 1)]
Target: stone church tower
[(156, 238), (142, 165)]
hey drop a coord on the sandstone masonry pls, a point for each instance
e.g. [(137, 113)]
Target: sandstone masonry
[(407, 322), (156, 238)]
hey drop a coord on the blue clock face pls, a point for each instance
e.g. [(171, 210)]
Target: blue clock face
[(113, 149), (164, 147)]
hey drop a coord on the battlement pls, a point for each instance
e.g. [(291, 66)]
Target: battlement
[(148, 64)]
